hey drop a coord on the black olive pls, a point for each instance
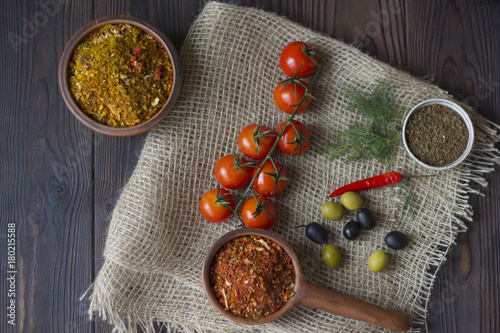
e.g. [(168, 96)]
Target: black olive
[(396, 240), (316, 233), (366, 218), (352, 229)]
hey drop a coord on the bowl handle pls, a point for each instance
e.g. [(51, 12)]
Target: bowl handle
[(314, 296)]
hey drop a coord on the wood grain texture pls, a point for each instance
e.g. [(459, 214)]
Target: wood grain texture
[(454, 44), (60, 181), (51, 191)]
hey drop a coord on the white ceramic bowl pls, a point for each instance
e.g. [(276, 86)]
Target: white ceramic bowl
[(461, 112)]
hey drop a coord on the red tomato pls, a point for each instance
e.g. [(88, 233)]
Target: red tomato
[(286, 99), (258, 213), (250, 135), (295, 55), (292, 144), (230, 174), (271, 181), (217, 205)]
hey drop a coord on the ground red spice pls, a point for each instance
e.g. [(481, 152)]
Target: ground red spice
[(252, 276)]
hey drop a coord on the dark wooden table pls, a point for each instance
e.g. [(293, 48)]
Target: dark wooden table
[(59, 180)]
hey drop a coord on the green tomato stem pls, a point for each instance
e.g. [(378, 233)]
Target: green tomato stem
[(279, 135)]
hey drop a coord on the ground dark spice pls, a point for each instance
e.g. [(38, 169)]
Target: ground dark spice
[(252, 276), (436, 135), (120, 76)]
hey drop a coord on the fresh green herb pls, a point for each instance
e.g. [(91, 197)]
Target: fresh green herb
[(378, 104), (409, 202), (377, 139)]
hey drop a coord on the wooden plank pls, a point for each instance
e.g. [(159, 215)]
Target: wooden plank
[(49, 177), (11, 207), (116, 158), (454, 41)]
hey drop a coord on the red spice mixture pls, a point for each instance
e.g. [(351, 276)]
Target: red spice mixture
[(252, 276)]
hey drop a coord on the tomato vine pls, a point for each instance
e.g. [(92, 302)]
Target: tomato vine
[(298, 61), (318, 59)]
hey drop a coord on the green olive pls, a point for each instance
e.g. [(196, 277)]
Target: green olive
[(332, 210), (377, 261), (331, 256), (351, 200)]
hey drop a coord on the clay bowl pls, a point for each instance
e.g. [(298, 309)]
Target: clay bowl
[(306, 293), (64, 82)]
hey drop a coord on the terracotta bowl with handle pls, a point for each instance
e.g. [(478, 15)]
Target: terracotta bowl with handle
[(306, 293), (63, 80)]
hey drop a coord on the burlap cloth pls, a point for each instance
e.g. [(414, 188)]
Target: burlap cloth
[(157, 238)]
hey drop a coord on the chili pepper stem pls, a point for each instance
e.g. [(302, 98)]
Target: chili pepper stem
[(419, 176)]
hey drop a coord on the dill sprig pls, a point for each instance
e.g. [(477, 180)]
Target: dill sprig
[(377, 139), (378, 104), (360, 142), (409, 202)]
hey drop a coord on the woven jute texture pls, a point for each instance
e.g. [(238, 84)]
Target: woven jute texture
[(157, 238)]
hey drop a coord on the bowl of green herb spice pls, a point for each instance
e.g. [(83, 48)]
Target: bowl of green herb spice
[(119, 75), (438, 134)]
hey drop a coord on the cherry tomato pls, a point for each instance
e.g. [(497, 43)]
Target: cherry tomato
[(253, 134), (270, 181), (286, 99), (289, 142), (295, 55), (258, 212), (230, 174), (216, 205)]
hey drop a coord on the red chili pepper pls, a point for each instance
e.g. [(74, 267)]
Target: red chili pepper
[(384, 179)]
